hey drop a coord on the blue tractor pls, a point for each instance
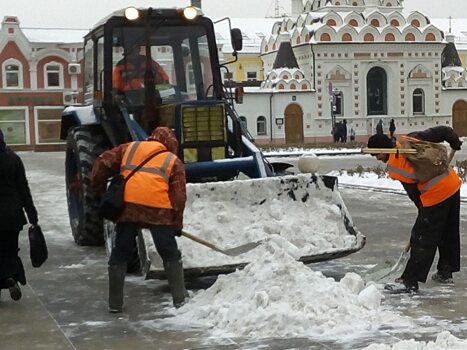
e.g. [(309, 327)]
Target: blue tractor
[(191, 99)]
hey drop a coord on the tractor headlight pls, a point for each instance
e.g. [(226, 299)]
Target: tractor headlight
[(191, 12), (131, 13)]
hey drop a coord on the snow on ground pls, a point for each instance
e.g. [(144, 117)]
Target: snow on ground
[(444, 341), (276, 296)]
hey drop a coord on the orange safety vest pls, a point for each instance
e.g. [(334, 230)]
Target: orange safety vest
[(128, 76), (433, 191), (400, 169), (439, 188), (149, 186)]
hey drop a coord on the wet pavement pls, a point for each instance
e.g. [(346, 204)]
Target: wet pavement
[(64, 305)]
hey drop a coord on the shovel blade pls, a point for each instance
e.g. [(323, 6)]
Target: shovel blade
[(241, 249), (384, 274)]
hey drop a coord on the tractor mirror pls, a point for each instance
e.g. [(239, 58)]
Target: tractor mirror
[(239, 92), (236, 38)]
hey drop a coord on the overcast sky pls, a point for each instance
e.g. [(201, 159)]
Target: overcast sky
[(85, 13)]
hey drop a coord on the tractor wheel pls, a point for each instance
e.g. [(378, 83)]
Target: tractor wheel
[(134, 265), (84, 145)]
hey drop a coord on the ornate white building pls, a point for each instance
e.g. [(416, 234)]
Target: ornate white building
[(365, 59)]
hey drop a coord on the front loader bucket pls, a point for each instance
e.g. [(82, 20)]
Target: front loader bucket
[(303, 214)]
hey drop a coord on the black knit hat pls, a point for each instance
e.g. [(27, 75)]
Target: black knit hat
[(380, 141)]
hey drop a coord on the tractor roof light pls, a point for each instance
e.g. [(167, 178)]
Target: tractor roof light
[(131, 13), (191, 12)]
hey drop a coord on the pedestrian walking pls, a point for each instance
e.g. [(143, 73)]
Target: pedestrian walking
[(379, 127), (392, 128), (343, 131), (352, 134), (155, 199), (438, 203), (15, 197)]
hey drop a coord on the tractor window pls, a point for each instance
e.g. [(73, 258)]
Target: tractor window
[(179, 59), (100, 64), (88, 72)]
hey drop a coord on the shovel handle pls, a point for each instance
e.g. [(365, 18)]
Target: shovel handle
[(201, 241), (451, 155)]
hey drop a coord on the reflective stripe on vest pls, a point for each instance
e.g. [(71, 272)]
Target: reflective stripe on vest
[(439, 188), (400, 169), (149, 186)]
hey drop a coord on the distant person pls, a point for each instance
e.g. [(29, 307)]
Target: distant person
[(14, 197), (336, 132), (392, 128), (379, 127), (343, 131), (154, 199), (352, 134), (438, 203)]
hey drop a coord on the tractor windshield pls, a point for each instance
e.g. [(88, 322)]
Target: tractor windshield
[(179, 60)]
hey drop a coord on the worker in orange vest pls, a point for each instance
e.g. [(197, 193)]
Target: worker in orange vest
[(438, 203), (155, 198), (128, 74)]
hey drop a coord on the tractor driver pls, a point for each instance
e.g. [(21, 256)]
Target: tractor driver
[(128, 74)]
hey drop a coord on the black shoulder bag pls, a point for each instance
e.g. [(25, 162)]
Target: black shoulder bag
[(112, 203), (37, 247)]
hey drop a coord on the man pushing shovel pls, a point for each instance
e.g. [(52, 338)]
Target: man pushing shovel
[(433, 185)]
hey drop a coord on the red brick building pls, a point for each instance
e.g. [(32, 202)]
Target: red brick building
[(40, 73)]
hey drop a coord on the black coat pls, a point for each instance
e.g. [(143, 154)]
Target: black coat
[(14, 193)]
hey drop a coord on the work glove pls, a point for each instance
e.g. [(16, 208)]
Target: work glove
[(456, 145), (178, 232)]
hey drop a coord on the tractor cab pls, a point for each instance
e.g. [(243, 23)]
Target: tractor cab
[(161, 68)]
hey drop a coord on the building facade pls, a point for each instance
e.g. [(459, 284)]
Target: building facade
[(358, 60), (40, 73)]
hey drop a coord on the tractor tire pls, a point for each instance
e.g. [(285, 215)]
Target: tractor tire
[(84, 145), (134, 264)]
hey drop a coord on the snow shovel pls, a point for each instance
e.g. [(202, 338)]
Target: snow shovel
[(387, 272), (230, 252)]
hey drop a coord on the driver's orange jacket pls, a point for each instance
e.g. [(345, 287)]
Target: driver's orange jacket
[(128, 74)]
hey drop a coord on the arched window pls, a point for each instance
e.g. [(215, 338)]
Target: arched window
[(331, 22), (369, 37), (325, 37), (430, 37), (281, 87), (374, 22), (418, 100), (354, 3), (353, 22), (390, 37), (266, 48), (394, 22), (346, 37), (304, 87), (12, 74), (261, 125), (243, 125), (415, 23), (293, 87), (410, 37)]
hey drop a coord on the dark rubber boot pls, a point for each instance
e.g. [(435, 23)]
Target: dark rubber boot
[(408, 287), (116, 283), (174, 272), (13, 287)]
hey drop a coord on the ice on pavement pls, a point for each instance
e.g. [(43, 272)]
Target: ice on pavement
[(276, 296), (444, 341)]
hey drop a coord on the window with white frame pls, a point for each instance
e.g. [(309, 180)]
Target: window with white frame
[(13, 125), (418, 101), (48, 124), (261, 125), (12, 74), (53, 75), (243, 125)]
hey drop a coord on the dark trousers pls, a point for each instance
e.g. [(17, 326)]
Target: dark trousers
[(10, 263), (125, 242), (436, 227)]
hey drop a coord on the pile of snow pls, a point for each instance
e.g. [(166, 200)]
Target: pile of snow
[(276, 296), (233, 213), (444, 341)]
